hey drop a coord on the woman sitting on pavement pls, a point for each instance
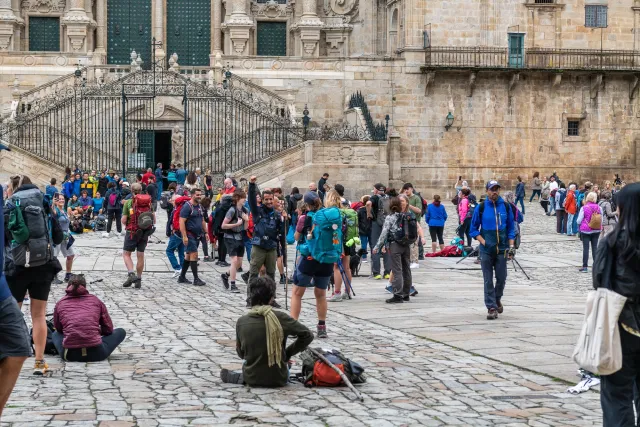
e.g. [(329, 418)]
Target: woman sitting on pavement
[(261, 339), (84, 332)]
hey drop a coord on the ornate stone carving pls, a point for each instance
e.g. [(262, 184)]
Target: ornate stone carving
[(271, 10), (343, 8), (43, 6), (177, 145)]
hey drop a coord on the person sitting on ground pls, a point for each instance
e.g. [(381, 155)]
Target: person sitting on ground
[(261, 339), (84, 331), (73, 207), (85, 201), (98, 204)]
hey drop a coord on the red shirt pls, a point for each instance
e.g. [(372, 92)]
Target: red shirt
[(229, 190), (149, 176)]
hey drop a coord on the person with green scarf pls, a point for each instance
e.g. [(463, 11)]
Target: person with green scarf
[(261, 340)]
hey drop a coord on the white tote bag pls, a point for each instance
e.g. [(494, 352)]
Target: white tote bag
[(599, 349)]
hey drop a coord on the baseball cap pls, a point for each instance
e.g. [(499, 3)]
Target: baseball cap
[(380, 187), (493, 183), (310, 197)]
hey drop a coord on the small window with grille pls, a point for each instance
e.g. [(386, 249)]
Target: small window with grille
[(544, 1), (573, 128), (595, 16)]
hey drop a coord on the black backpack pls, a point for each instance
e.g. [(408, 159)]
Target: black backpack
[(382, 210), (38, 248), (49, 347), (406, 230), (100, 223), (220, 212)]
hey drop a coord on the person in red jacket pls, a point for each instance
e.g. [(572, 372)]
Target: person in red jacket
[(84, 332)]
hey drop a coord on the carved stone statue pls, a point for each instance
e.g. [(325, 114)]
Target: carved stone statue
[(177, 146)]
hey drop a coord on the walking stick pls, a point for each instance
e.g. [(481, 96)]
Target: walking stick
[(345, 279), (342, 375), (473, 252), (286, 270), (515, 261)]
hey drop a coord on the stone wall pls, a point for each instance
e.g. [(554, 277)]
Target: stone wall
[(18, 161)]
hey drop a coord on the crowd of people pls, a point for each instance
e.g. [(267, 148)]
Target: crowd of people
[(331, 237)]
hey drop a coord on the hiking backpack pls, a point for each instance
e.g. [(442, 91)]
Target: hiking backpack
[(31, 243), (471, 207), (265, 231), (141, 221), (326, 244), (100, 223), (349, 224), (383, 209), (175, 220), (317, 373), (220, 212), (406, 230), (165, 197)]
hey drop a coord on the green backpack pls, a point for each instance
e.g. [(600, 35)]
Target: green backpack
[(350, 225), (17, 226)]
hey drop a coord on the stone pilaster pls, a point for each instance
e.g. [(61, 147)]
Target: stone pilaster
[(9, 25), (307, 30), (78, 25), (238, 27), (100, 53), (158, 29), (216, 21)]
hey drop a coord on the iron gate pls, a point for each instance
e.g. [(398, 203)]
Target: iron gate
[(221, 128)]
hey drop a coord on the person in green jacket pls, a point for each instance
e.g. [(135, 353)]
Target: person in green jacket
[(261, 340)]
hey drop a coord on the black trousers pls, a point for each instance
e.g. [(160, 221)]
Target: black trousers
[(91, 354), (561, 217), (117, 215), (589, 239), (618, 392), (465, 229), (222, 249)]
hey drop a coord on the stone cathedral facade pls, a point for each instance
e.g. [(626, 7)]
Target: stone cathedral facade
[(479, 88)]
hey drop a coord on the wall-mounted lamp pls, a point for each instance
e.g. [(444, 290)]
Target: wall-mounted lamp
[(449, 121)]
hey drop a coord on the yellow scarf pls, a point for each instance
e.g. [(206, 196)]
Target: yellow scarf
[(275, 336)]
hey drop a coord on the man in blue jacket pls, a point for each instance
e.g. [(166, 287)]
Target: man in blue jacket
[(492, 225)]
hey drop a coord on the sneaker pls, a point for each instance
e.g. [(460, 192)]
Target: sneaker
[(274, 304), (406, 299), (26, 301), (208, 259), (413, 292), (40, 367), (130, 279), (67, 276), (336, 297), (387, 275), (282, 280), (584, 270), (345, 295), (57, 281), (199, 282), (500, 307), (396, 299), (366, 261), (138, 283), (389, 289), (231, 377), (234, 289), (184, 280), (492, 314), (224, 264), (105, 234), (245, 277), (225, 280), (377, 277), (414, 265), (322, 331), (177, 272)]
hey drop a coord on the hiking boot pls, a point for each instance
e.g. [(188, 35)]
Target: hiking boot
[(500, 307), (199, 282), (40, 367), (396, 299), (234, 289), (322, 331), (130, 279), (184, 280), (406, 299), (274, 304), (67, 276), (225, 280), (492, 314), (231, 377), (138, 283), (245, 277), (336, 297), (413, 292)]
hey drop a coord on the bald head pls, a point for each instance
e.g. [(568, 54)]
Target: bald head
[(228, 183), (313, 186)]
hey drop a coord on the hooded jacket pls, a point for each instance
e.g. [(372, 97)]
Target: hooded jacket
[(495, 214), (436, 215), (82, 318)]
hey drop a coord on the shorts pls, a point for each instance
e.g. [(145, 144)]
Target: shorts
[(193, 243), (234, 247), (14, 335), (132, 245), (349, 250), (38, 288), (311, 273), (66, 252)]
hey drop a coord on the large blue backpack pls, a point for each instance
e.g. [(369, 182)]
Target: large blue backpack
[(326, 244)]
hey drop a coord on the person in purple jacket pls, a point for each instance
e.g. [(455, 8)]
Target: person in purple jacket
[(84, 332)]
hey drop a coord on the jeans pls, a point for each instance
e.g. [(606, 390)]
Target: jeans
[(364, 243), (575, 224), (376, 230), (561, 221), (400, 262), (617, 390), (521, 200), (175, 242), (91, 354), (491, 262), (420, 250), (159, 185), (247, 246), (533, 194), (589, 239), (114, 214), (570, 230)]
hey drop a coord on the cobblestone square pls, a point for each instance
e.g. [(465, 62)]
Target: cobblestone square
[(434, 361)]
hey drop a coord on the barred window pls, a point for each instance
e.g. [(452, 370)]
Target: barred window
[(595, 16), (573, 128)]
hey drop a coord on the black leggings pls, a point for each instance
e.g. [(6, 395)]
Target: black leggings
[(436, 232), (92, 354), (465, 229), (117, 215), (222, 249)]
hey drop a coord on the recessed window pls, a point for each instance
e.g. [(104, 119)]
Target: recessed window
[(595, 16), (544, 1), (573, 128)]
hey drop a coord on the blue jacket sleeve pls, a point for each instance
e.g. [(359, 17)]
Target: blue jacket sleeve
[(511, 229), (476, 222), (445, 212), (427, 215)]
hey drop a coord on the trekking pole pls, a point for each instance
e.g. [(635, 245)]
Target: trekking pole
[(515, 261), (342, 375), (473, 252), (345, 279), (286, 270)]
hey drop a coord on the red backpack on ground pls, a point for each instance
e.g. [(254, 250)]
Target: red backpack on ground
[(142, 217), (175, 221)]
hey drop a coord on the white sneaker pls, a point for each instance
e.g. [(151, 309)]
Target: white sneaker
[(176, 273), (345, 295), (365, 261), (106, 235), (414, 265), (335, 298)]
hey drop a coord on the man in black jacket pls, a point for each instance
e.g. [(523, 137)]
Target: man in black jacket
[(268, 229), (321, 184)]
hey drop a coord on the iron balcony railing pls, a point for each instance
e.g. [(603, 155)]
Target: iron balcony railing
[(532, 58)]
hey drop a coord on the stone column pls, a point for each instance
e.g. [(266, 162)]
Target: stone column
[(394, 160), (307, 30), (78, 24), (9, 24), (239, 26), (158, 29), (100, 52), (216, 21)]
